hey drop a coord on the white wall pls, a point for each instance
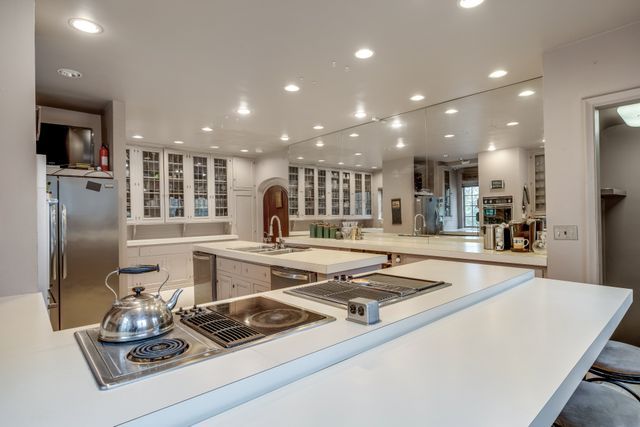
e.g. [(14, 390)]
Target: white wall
[(397, 176), (510, 165), (17, 139), (598, 65), (271, 169)]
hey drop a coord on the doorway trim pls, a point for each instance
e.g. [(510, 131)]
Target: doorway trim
[(593, 216), (262, 188)]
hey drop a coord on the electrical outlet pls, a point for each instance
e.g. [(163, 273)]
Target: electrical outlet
[(565, 232)]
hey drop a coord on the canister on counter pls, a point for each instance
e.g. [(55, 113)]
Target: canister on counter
[(327, 231), (332, 232), (320, 231), (312, 229)]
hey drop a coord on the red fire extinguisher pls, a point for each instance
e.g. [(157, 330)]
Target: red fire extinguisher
[(104, 158)]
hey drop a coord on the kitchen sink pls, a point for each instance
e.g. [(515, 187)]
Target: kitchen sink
[(268, 250)]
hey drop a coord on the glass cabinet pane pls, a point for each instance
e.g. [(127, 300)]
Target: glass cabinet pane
[(322, 192), (540, 204), (127, 173), (293, 191), (200, 187), (335, 193), (151, 184), (367, 194), (309, 191), (221, 187), (358, 194), (175, 182), (346, 193)]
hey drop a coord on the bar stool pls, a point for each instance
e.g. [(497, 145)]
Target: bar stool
[(618, 363), (596, 405)]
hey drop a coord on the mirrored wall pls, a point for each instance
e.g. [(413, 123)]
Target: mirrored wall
[(460, 152)]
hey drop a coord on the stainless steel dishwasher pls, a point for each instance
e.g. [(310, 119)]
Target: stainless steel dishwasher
[(282, 277), (204, 277)]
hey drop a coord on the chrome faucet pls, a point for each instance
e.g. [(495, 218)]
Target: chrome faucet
[(415, 223), (279, 239)]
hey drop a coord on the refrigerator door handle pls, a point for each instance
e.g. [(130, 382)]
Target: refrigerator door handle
[(63, 239), (53, 239)]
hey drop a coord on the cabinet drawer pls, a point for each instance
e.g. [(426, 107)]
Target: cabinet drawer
[(256, 272), (165, 249), (261, 287), (228, 265)]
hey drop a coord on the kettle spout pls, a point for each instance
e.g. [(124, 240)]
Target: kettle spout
[(174, 299)]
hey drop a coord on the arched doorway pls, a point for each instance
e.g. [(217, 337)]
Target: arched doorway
[(276, 202)]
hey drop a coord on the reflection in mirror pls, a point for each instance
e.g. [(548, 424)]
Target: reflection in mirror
[(462, 164)]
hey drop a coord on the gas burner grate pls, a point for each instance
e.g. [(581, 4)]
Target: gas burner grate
[(157, 350), (221, 329)]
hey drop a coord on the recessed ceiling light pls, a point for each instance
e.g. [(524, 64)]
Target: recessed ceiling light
[(244, 110), (363, 53), (396, 124), (137, 137), (70, 73), (400, 143), (358, 154), (374, 167), (451, 111), (341, 163), (319, 144), (321, 161), (417, 97), (449, 135), (544, 140), (292, 88), (178, 142), (85, 25), (300, 158), (527, 92), (513, 124), (492, 147), (360, 114), (215, 147), (354, 135), (244, 150), (318, 127), (207, 129), (468, 4), (497, 74), (630, 114), (284, 137), (445, 155), (358, 166), (259, 150)]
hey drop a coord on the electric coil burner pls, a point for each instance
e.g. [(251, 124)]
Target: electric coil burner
[(156, 350), (199, 333)]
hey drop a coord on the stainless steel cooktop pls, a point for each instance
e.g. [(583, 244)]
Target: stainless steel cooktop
[(199, 333), (385, 289)]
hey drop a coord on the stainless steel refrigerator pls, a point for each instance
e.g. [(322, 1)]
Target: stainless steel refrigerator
[(432, 208), (83, 248)]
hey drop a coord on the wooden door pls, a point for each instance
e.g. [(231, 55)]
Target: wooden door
[(276, 202)]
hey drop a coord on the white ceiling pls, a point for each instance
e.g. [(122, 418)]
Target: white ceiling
[(181, 65), (481, 121)]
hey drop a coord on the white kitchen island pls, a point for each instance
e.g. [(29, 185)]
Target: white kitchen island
[(492, 325)]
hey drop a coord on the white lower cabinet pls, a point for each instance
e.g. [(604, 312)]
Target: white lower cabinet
[(237, 278), (176, 259)]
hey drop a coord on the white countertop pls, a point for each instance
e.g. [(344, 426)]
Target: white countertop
[(317, 260), (45, 378), (497, 363), (454, 247), (178, 240)]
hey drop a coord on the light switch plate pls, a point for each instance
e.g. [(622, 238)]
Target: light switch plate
[(565, 232)]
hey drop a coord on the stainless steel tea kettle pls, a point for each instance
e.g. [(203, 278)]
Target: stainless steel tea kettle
[(137, 316)]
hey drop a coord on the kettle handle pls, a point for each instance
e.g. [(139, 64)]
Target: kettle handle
[(139, 269)]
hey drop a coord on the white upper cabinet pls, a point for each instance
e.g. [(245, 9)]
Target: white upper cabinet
[(326, 193), (144, 185), (175, 186)]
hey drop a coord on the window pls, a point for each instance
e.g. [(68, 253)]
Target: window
[(471, 206)]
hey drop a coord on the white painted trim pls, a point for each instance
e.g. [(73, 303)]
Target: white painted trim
[(593, 220)]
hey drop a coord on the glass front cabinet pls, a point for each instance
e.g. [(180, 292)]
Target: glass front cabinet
[(174, 186), (325, 193)]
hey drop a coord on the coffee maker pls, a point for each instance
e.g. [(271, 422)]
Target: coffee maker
[(527, 229)]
